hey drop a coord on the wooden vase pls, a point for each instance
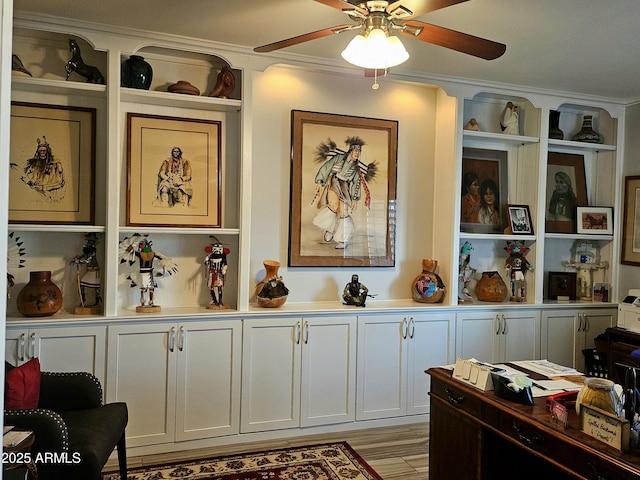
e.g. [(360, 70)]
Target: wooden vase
[(271, 291), (40, 297), (491, 287), (428, 286)]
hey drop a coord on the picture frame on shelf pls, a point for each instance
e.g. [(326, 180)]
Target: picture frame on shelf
[(566, 190), (601, 292), (595, 220), (343, 190), (483, 171), (562, 286), (630, 254), (174, 169), (52, 157), (519, 220)]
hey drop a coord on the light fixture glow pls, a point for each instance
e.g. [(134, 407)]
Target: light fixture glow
[(376, 50)]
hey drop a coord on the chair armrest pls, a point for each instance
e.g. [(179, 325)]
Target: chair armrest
[(69, 391), (49, 428)]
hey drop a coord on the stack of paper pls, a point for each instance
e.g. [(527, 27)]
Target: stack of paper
[(547, 368)]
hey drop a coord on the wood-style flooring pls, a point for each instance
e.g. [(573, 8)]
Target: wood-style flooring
[(400, 452)]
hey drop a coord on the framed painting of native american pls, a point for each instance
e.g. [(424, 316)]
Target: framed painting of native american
[(52, 164), (343, 190), (173, 171)]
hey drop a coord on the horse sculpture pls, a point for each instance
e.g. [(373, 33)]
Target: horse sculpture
[(76, 64)]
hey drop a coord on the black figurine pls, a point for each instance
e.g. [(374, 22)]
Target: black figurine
[(355, 293), (76, 64)]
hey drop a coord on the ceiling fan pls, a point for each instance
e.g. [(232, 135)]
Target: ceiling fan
[(397, 16)]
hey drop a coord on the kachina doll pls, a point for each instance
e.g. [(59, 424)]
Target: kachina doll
[(139, 247), (216, 266), (517, 267), (15, 252), (464, 272), (90, 280)]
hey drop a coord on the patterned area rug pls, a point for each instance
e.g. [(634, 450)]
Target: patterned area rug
[(329, 461)]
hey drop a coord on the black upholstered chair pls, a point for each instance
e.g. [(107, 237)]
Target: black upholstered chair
[(71, 418)]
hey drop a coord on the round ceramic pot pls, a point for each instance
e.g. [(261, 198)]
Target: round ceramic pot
[(491, 287), (587, 133), (271, 291), (136, 73), (598, 393), (40, 297), (428, 286)]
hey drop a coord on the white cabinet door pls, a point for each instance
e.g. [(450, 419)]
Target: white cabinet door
[(565, 333), (328, 371), (431, 344), (60, 349), (141, 371), (381, 367), (270, 374), (498, 336), (208, 379)]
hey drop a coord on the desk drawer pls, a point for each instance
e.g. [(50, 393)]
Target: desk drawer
[(457, 397)]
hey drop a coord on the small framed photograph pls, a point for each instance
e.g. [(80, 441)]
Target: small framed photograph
[(520, 219), (52, 158), (562, 286), (173, 171), (595, 220), (600, 292)]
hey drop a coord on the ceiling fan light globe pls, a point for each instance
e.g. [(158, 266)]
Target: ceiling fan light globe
[(376, 51), (396, 54)]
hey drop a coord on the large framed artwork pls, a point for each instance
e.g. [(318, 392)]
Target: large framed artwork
[(343, 190), (631, 222), (52, 158), (173, 171), (566, 190), (484, 191)]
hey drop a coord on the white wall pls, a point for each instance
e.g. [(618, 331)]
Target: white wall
[(279, 90)]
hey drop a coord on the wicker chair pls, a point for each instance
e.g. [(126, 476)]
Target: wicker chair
[(72, 424)]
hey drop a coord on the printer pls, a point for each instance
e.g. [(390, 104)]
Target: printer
[(629, 311)]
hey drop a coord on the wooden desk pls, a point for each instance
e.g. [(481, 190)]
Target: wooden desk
[(620, 344), (476, 435)]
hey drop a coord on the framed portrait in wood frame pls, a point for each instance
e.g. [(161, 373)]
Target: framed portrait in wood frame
[(630, 254), (520, 219), (343, 190), (595, 220), (566, 190), (173, 171), (52, 156), (484, 191)]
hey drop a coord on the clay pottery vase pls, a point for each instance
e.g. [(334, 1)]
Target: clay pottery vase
[(271, 291), (136, 73), (182, 86), (40, 297), (554, 125), (428, 287), (491, 287), (587, 133), (598, 393)]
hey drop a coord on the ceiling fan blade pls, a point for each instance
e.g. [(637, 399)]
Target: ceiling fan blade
[(445, 37), (303, 38), (420, 7), (343, 5)]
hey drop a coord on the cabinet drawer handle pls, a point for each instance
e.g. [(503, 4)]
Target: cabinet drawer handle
[(529, 442), (453, 400), (594, 467)]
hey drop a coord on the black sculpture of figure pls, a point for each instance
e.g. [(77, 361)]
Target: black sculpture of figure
[(355, 293), (91, 278), (76, 64)]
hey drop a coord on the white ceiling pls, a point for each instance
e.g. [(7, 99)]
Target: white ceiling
[(587, 47)]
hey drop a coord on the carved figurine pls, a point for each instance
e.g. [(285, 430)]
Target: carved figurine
[(76, 64), (91, 278), (138, 247), (216, 270), (465, 271), (517, 266), (225, 83), (585, 259), (15, 252), (355, 293), (509, 119)]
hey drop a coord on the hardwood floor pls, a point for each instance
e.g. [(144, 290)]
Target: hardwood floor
[(400, 452)]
